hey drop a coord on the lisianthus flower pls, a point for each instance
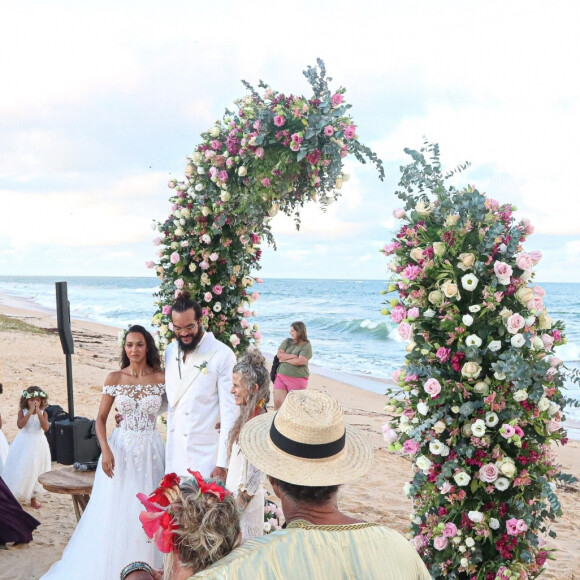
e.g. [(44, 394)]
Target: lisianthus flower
[(473, 340), (469, 282), (462, 478)]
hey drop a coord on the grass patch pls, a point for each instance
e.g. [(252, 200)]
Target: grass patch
[(9, 324)]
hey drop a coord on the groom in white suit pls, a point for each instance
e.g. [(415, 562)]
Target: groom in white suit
[(201, 408)]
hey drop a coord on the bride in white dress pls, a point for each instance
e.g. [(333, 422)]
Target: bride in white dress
[(251, 390), (109, 533)]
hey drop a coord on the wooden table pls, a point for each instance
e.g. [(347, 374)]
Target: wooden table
[(69, 480)]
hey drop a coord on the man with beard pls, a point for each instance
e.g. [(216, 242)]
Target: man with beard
[(201, 408)]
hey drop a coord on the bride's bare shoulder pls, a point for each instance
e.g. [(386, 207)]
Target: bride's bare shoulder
[(114, 378)]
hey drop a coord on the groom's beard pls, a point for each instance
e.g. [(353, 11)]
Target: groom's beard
[(195, 340)]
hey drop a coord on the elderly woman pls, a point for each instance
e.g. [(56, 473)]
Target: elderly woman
[(293, 354), (251, 390)]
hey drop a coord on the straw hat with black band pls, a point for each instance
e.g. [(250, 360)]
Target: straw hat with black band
[(307, 442)]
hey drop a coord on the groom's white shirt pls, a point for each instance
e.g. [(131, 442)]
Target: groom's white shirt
[(199, 397)]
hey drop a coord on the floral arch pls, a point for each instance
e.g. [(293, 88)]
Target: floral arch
[(273, 153)]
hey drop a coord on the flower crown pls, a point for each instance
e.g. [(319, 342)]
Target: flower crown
[(39, 393), (123, 334), (159, 520)]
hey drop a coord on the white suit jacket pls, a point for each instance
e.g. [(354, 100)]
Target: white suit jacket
[(197, 401)]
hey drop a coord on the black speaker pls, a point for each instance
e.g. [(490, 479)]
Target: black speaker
[(55, 413), (76, 441), (63, 318)]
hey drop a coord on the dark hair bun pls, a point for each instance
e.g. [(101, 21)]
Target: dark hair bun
[(253, 357)]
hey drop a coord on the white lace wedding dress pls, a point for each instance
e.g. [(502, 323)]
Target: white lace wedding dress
[(243, 476), (109, 535)]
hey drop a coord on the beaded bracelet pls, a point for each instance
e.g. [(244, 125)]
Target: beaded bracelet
[(135, 566)]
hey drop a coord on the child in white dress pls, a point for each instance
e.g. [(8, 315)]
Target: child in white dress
[(29, 455), (3, 443)]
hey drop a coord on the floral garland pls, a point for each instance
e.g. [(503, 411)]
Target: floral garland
[(158, 520), (274, 153), (480, 398), (40, 393)]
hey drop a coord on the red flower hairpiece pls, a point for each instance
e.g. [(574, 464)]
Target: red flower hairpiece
[(158, 521)]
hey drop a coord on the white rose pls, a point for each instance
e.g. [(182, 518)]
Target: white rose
[(530, 320), (537, 343), (422, 408), (473, 340), (474, 308), (478, 428), (543, 404), (416, 254), (192, 267), (225, 196), (520, 395), (438, 248), (476, 517), (467, 319), (444, 451), (494, 345), (553, 409), (494, 523), (214, 131), (423, 209), (430, 313), (507, 468), (470, 542), (196, 157), (267, 527), (464, 562), (470, 370), (439, 427), (462, 549), (200, 170), (450, 289), (481, 387), (242, 171), (518, 340), (423, 463), (199, 187), (205, 210)]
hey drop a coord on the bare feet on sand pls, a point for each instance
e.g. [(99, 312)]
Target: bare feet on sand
[(35, 503)]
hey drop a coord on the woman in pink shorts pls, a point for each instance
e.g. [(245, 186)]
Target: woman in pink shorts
[(294, 354)]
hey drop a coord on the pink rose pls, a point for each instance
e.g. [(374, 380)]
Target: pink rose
[(399, 213), (440, 543), (213, 256), (166, 310), (398, 313), (555, 361), (396, 375), (528, 227), (207, 296), (157, 241), (535, 256), (217, 289), (503, 272), (259, 152), (244, 323), (179, 283), (450, 529), (488, 473), (515, 322), (405, 331), (204, 265), (418, 542), (149, 264), (258, 336), (548, 341), (329, 130), (524, 262), (279, 120), (433, 387), (389, 434), (411, 447), (554, 425), (535, 305), (413, 313), (255, 296), (443, 354), (336, 99), (266, 182), (538, 291), (174, 258)]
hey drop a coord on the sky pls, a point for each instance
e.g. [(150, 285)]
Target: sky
[(101, 103)]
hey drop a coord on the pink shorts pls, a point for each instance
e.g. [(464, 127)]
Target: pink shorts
[(288, 384)]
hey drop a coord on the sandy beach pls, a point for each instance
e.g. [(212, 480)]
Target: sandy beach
[(31, 354)]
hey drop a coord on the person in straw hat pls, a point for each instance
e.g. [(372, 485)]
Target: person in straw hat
[(307, 451)]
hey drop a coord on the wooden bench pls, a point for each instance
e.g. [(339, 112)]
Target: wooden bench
[(79, 484)]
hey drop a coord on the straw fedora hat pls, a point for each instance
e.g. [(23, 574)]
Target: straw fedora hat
[(307, 442)]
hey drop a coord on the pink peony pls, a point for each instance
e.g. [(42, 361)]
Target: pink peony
[(488, 473), (405, 331), (411, 272), (433, 387)]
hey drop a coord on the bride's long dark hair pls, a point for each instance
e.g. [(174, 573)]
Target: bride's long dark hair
[(153, 357)]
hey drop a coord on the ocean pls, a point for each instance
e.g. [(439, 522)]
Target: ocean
[(350, 338)]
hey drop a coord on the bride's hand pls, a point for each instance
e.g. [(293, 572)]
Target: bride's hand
[(108, 463)]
